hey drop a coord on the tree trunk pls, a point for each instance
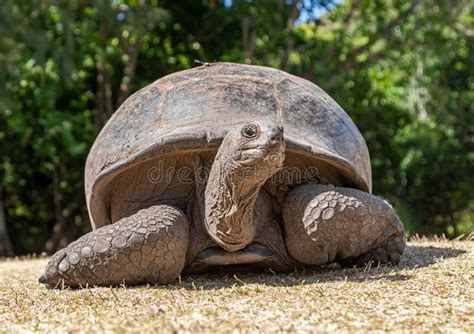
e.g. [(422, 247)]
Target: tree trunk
[(104, 103), (5, 244), (60, 224), (64, 214), (129, 71), (249, 37), (290, 42), (104, 106), (133, 50)]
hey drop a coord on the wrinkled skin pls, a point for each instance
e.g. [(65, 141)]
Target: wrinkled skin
[(234, 220)]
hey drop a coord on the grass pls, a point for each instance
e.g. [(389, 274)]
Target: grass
[(432, 290)]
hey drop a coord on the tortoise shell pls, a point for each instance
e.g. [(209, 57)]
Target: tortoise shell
[(191, 111)]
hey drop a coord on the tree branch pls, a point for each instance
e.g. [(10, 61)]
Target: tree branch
[(462, 29), (386, 31)]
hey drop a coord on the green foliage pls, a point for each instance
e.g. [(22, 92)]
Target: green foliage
[(403, 70)]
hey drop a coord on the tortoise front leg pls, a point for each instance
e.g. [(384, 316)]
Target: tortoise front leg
[(324, 223), (147, 247)]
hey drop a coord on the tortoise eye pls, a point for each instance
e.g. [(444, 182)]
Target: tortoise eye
[(249, 131)]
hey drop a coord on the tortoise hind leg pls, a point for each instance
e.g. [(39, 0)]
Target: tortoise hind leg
[(324, 223), (147, 247)]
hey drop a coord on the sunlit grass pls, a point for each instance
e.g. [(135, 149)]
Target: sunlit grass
[(432, 290)]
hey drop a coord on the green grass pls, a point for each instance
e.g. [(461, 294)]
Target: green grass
[(432, 290)]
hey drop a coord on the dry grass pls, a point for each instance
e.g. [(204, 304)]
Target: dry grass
[(432, 290)]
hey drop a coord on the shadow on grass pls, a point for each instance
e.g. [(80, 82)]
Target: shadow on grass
[(424, 256), (231, 276), (234, 276)]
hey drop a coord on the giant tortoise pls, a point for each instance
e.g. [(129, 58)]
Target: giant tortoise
[(226, 164)]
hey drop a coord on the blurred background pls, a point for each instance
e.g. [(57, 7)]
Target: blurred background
[(403, 70)]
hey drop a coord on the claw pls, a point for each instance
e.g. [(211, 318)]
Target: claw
[(51, 276), (44, 279), (395, 259), (48, 281)]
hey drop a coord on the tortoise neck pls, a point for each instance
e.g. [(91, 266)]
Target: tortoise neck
[(230, 198)]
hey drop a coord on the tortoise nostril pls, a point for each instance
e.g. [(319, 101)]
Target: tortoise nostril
[(276, 133), (276, 137)]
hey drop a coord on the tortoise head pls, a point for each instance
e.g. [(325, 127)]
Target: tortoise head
[(255, 149), (247, 157)]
